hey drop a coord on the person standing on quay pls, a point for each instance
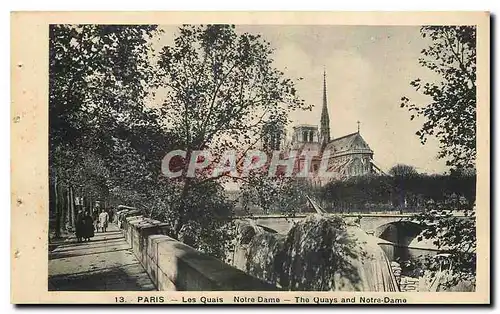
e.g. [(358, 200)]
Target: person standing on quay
[(103, 220), (95, 216), (88, 226), (79, 228), (111, 214)]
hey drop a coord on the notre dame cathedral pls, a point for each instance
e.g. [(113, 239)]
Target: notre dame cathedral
[(349, 155)]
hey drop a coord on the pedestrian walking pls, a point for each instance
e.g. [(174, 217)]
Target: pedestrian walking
[(79, 228), (111, 214), (88, 227), (95, 218), (103, 220)]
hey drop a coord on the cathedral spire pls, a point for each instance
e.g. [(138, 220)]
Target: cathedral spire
[(325, 119)]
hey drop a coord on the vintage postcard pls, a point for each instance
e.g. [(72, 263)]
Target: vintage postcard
[(250, 157)]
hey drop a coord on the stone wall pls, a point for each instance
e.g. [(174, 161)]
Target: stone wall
[(173, 265)]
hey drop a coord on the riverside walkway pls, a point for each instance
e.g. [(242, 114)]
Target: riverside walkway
[(106, 263)]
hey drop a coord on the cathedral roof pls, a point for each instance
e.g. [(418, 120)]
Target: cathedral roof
[(302, 147), (311, 126), (353, 142)]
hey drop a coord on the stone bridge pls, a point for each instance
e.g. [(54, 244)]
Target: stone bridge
[(372, 223), (396, 232)]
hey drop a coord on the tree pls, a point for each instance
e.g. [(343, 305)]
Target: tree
[(105, 137), (451, 118), (98, 81), (277, 195), (451, 114), (402, 176), (401, 170), (220, 89), (98, 78), (452, 234)]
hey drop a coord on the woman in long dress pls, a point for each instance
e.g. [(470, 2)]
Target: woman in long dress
[(88, 227), (95, 216), (80, 226)]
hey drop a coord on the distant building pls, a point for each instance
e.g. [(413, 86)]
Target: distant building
[(349, 155), (273, 136)]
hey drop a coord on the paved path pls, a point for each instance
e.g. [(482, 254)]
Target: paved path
[(104, 264)]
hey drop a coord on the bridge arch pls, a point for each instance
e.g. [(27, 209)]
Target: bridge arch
[(399, 236), (400, 232)]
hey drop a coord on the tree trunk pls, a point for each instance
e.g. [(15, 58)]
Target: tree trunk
[(69, 209), (90, 205), (57, 224), (64, 208), (52, 204), (72, 216), (179, 223)]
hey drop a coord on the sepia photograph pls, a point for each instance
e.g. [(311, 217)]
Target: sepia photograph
[(263, 157)]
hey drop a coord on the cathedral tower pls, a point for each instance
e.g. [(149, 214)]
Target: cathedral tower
[(325, 119)]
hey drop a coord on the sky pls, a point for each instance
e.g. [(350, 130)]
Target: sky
[(369, 69)]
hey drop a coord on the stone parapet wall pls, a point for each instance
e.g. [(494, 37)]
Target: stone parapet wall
[(173, 265)]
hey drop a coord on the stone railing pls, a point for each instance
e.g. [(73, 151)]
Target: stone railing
[(173, 265)]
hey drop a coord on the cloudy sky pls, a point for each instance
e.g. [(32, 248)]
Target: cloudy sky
[(369, 69)]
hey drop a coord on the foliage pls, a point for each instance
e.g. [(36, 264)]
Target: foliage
[(318, 250), (276, 195), (97, 80), (400, 176), (219, 89), (97, 84), (209, 226), (370, 193), (360, 194), (265, 257), (357, 192), (273, 134), (451, 234), (319, 253), (451, 118), (401, 170), (451, 115), (106, 140)]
